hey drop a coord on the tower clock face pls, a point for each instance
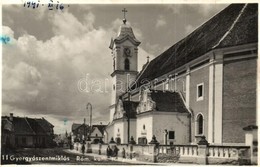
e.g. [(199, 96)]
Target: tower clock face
[(127, 51)]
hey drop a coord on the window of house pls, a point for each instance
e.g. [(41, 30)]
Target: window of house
[(143, 127), (200, 91), (200, 124), (127, 64), (171, 135)]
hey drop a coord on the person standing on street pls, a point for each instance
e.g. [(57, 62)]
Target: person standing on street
[(83, 148), (123, 153)]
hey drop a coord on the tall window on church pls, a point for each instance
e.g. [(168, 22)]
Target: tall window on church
[(200, 124), (127, 64), (200, 91)]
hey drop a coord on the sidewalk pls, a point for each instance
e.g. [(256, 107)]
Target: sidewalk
[(120, 159), (98, 157)]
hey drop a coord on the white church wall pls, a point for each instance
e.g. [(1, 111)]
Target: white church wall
[(113, 92), (199, 105), (111, 114), (177, 122), (144, 126), (119, 130), (109, 132)]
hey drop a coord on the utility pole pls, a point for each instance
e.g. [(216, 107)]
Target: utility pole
[(89, 109)]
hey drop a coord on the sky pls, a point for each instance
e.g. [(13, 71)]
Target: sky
[(52, 54)]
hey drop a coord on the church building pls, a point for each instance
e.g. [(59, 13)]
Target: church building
[(203, 85)]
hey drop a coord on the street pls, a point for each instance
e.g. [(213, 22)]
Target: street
[(55, 156)]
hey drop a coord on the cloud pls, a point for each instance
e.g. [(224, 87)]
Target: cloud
[(189, 28), (176, 8), (160, 22), (40, 78), (208, 9), (205, 9)]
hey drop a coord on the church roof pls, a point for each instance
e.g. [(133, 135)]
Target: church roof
[(126, 32), (167, 101), (130, 108), (235, 25)]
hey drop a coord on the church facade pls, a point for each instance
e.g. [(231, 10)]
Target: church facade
[(204, 85)]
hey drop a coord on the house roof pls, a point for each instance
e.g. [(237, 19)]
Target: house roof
[(75, 126), (44, 124), (101, 128), (6, 124), (235, 25), (30, 126), (22, 126), (130, 108), (80, 125), (36, 127), (168, 101)]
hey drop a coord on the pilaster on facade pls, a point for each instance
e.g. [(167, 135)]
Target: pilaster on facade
[(218, 97), (211, 101), (187, 98)]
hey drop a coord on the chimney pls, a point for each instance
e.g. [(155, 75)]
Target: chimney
[(11, 117), (84, 121)]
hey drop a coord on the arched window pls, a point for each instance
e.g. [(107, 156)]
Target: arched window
[(127, 64), (143, 127), (200, 124)]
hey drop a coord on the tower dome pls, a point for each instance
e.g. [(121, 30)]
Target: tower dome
[(126, 31)]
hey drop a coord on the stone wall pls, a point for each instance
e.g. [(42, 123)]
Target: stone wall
[(195, 154)]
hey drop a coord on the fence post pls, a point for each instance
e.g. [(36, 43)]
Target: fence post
[(89, 149), (251, 140), (100, 146), (155, 145), (202, 151), (131, 143)]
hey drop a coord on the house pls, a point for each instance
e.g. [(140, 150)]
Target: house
[(203, 85), (26, 132), (81, 132)]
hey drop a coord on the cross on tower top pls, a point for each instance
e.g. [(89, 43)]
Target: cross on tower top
[(124, 11)]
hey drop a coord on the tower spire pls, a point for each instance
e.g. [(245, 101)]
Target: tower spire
[(124, 11)]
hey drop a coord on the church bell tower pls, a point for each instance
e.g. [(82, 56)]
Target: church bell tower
[(124, 53)]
